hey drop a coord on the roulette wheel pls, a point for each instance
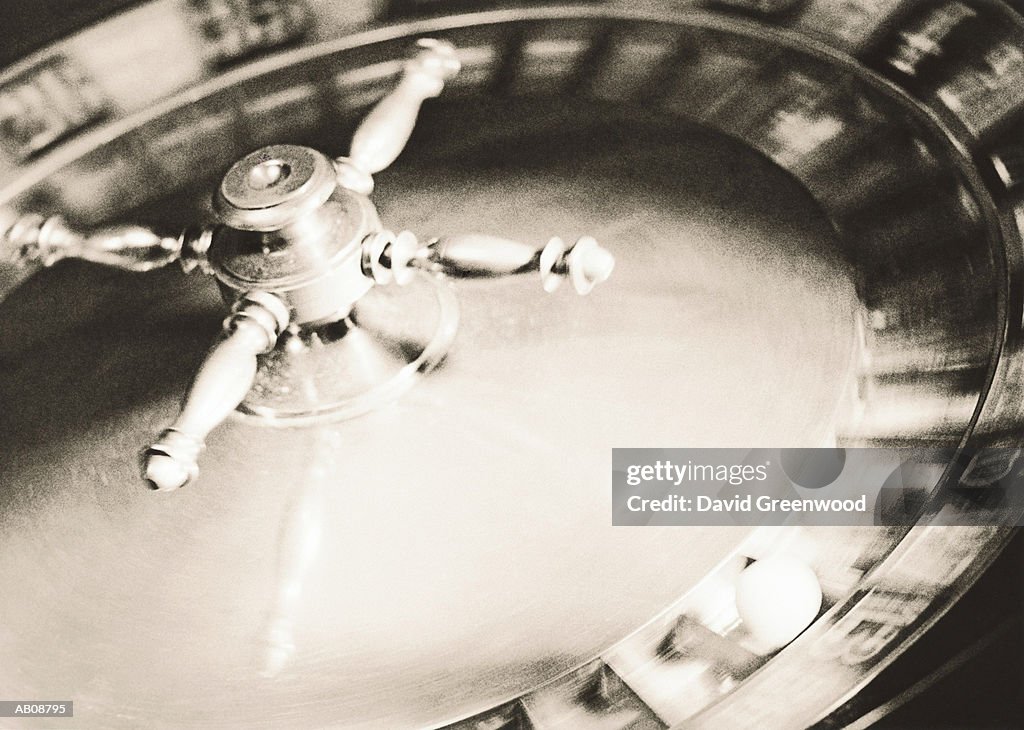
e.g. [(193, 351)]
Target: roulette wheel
[(449, 257)]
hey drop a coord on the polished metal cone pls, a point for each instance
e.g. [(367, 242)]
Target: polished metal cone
[(345, 368)]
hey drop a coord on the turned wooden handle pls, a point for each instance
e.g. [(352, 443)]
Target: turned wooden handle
[(585, 263), (222, 382), (385, 131), (35, 238)]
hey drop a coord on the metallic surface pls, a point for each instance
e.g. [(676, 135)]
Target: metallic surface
[(904, 272), (285, 179)]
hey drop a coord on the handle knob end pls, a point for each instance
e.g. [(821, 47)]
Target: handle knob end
[(586, 264), (435, 58), (172, 462), (164, 474)]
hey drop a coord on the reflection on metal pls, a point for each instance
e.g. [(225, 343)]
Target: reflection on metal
[(986, 90), (691, 639), (298, 547), (624, 64), (849, 25), (720, 70), (592, 696), (761, 7), (923, 37), (547, 61), (805, 113), (44, 104), (875, 619), (1009, 164), (237, 29)]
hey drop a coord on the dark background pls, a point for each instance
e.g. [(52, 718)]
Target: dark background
[(28, 25), (967, 671)]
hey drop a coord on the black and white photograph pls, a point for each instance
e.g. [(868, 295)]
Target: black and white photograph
[(511, 364)]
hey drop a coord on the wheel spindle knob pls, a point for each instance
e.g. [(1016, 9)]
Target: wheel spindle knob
[(223, 381)]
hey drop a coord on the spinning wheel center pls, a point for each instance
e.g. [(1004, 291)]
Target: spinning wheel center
[(271, 187), (269, 173)]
